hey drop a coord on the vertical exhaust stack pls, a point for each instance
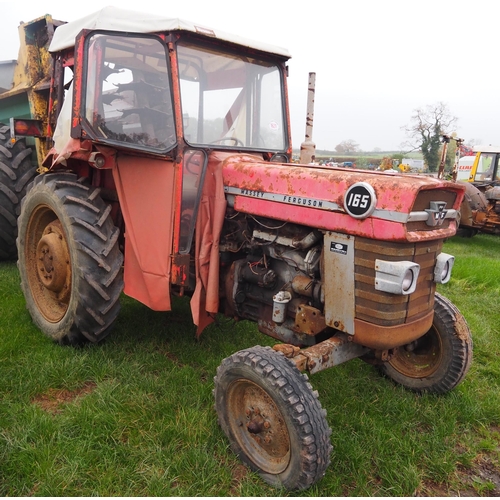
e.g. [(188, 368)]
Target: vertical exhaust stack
[(446, 140), (308, 148)]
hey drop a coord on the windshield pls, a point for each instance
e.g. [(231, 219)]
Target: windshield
[(230, 100), (486, 168), (127, 97)]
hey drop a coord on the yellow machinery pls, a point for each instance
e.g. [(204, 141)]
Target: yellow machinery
[(24, 94), (480, 209)]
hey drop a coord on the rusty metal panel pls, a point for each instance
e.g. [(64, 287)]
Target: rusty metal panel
[(331, 352), (180, 269), (388, 309), (299, 194), (339, 284), (388, 337), (309, 320)]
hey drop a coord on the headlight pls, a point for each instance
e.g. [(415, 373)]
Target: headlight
[(408, 280), (444, 265), (396, 277)]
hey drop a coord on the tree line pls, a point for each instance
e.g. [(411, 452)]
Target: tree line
[(424, 134)]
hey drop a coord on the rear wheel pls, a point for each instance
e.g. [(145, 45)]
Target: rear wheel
[(69, 260), (438, 361), (16, 172), (272, 417)]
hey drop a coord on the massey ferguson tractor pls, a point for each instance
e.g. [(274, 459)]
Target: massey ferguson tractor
[(168, 172)]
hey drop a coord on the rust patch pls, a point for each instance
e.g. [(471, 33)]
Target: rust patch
[(53, 400), (289, 351), (309, 320)]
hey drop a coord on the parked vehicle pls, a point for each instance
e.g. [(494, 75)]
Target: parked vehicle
[(169, 173), (24, 93), (480, 209)]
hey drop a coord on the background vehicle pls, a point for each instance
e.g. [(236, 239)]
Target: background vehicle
[(24, 94), (170, 174), (480, 209)]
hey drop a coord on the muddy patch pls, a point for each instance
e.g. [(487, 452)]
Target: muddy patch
[(53, 400), (238, 474)]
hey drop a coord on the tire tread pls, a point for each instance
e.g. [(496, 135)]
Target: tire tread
[(16, 174), (303, 405)]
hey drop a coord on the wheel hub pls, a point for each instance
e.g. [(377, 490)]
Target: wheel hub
[(52, 254), (260, 428), (419, 359), (48, 264)]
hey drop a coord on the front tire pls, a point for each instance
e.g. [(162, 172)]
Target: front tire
[(273, 418), (16, 173), (438, 361), (69, 261)]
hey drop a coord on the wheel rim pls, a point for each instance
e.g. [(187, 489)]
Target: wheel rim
[(258, 426), (48, 264), (420, 358)]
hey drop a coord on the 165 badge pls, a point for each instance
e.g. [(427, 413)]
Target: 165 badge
[(360, 200)]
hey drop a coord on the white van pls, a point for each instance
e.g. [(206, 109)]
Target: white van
[(464, 167)]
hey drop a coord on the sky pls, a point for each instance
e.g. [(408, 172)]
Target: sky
[(376, 61)]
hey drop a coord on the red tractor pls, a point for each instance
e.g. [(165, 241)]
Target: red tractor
[(170, 173)]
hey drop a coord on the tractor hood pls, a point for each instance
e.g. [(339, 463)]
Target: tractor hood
[(358, 202)]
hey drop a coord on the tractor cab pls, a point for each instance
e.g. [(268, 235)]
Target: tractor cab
[(129, 99), (485, 169), (147, 109)]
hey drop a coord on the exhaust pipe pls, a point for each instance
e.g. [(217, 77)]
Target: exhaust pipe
[(308, 148)]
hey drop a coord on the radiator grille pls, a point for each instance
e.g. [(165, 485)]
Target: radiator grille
[(423, 201), (387, 309)]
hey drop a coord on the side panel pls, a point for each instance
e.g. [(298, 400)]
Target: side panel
[(15, 106), (339, 283), (146, 191)]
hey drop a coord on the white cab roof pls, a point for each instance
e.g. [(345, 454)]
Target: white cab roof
[(115, 19), (486, 149)]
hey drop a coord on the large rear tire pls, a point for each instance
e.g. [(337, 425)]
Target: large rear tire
[(438, 361), (69, 260), (16, 173), (273, 418)]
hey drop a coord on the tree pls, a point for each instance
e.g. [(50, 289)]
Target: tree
[(347, 147), (425, 130)]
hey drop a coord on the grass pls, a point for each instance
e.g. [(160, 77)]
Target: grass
[(134, 416)]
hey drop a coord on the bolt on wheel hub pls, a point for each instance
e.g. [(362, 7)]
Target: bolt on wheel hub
[(261, 429), (49, 264), (53, 257)]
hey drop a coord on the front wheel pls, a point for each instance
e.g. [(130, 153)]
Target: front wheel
[(272, 417), (438, 361), (69, 261)]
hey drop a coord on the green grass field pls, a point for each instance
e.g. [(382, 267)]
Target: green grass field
[(134, 416)]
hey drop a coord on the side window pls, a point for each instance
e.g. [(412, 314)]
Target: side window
[(127, 97), (497, 168), (485, 166)]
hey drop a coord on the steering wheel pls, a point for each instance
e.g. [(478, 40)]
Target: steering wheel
[(237, 142)]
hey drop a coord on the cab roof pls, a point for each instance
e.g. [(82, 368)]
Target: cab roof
[(486, 149), (116, 19)]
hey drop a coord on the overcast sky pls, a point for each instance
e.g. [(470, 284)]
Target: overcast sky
[(376, 61)]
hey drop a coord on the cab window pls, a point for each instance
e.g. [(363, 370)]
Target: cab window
[(230, 101), (127, 94)]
